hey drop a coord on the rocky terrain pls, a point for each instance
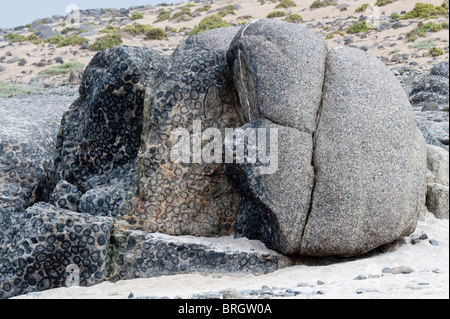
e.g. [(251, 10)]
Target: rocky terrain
[(89, 193)]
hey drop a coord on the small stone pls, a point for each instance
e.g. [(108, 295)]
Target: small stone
[(320, 292), (399, 270), (434, 242), (319, 282), (360, 277), (131, 295), (232, 293)]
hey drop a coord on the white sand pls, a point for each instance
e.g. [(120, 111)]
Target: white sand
[(430, 278)]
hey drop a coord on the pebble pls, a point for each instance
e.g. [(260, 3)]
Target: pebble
[(398, 270), (231, 293), (365, 290), (360, 277), (320, 282), (434, 242)]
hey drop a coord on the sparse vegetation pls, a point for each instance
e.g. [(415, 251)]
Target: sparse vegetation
[(72, 40), (424, 45), (17, 38), (276, 14), (65, 68), (106, 42), (67, 30), (228, 10), (136, 16), (424, 28), (205, 8), (425, 11), (323, 3), (364, 7), (14, 38), (92, 25), (395, 16), (360, 27), (435, 51), (10, 90), (208, 23), (286, 4), (137, 29), (184, 14), (294, 18), (54, 40), (33, 38), (156, 34), (332, 34), (110, 30), (381, 3), (162, 15)]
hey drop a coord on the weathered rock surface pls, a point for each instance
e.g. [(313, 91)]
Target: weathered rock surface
[(47, 247), (438, 182), (190, 196), (27, 151), (286, 90), (276, 190), (140, 254), (369, 189)]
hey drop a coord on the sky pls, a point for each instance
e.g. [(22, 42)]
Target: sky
[(15, 13)]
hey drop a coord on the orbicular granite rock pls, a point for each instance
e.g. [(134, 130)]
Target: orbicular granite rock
[(178, 192), (48, 247), (438, 182), (100, 135)]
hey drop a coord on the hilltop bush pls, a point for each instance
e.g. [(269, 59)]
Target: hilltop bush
[(106, 42), (425, 11), (294, 18), (276, 14), (360, 27), (323, 3), (286, 4), (208, 23)]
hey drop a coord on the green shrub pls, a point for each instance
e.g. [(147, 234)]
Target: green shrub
[(286, 4), (110, 30), (10, 90), (364, 7), (17, 38), (381, 3), (14, 38), (293, 18), (323, 3), (67, 30), (444, 25), (205, 8), (436, 50), (424, 11), (106, 42), (332, 34), (72, 40), (423, 28), (137, 29), (156, 34), (184, 14), (395, 16), (162, 15), (276, 14), (54, 40), (33, 38), (360, 27), (230, 9), (208, 23), (65, 68), (136, 16)]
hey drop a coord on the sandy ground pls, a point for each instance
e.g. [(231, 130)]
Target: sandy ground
[(380, 44), (430, 278)]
